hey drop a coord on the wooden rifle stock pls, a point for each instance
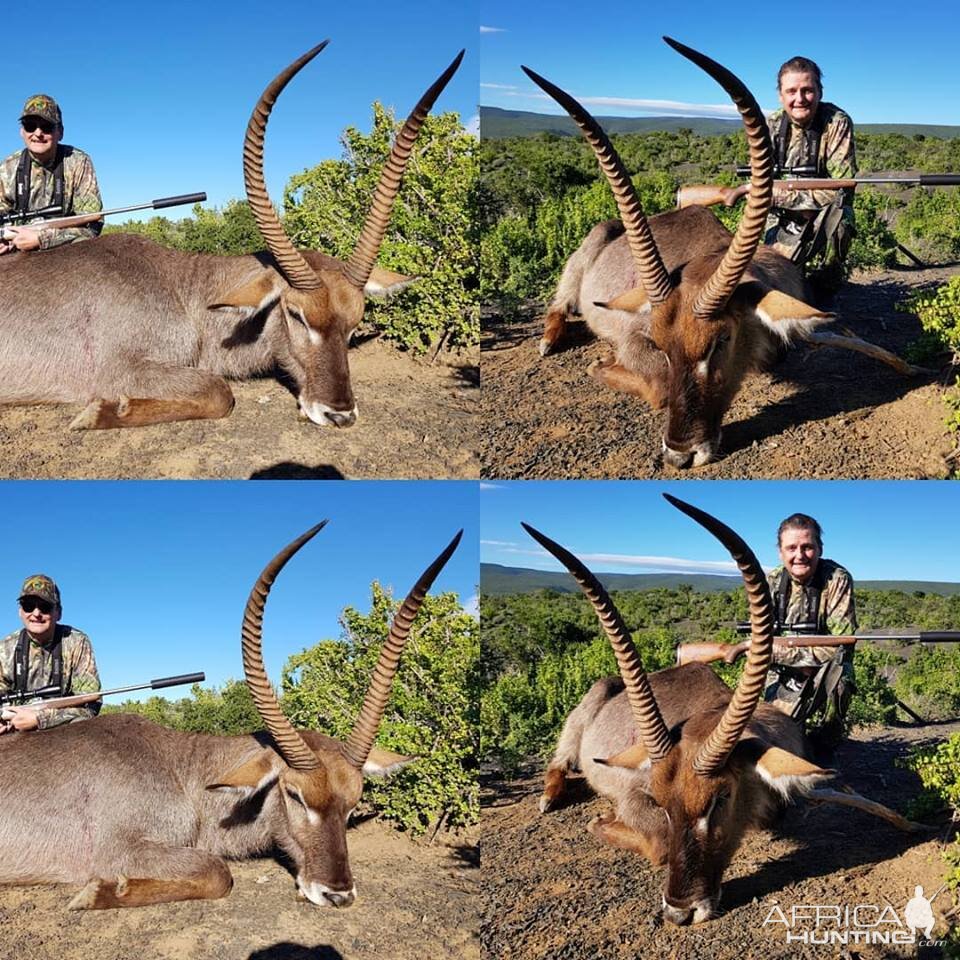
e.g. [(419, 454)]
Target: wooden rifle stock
[(708, 195)]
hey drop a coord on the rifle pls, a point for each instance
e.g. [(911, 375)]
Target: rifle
[(708, 194), (728, 652), (47, 698), (45, 216)]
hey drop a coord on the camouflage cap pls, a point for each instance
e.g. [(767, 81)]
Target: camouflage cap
[(40, 585), (40, 105)]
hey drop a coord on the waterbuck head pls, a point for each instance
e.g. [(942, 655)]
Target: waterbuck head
[(727, 764), (321, 300), (711, 314), (319, 780)]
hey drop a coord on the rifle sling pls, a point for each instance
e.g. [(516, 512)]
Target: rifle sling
[(21, 662), (23, 182)]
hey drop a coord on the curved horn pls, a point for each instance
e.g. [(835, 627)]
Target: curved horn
[(646, 713), (716, 749), (297, 754), (298, 272), (653, 274), (360, 742), (719, 288), (358, 269)]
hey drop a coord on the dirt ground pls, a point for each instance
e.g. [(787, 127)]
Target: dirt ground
[(414, 901), (417, 421), (821, 413), (552, 892)]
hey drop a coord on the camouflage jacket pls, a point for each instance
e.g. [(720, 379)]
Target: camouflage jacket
[(80, 193), (836, 616), (79, 673), (836, 157)]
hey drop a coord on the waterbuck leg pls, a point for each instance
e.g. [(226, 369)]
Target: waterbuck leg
[(827, 339), (848, 798), (151, 873), (554, 328), (618, 377), (554, 783), (615, 832), (157, 393)]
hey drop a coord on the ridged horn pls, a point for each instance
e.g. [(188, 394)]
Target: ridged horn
[(298, 272), (715, 751), (646, 256), (360, 742), (719, 288), (358, 269), (646, 713), (291, 744)]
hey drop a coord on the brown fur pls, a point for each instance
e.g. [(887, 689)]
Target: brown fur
[(664, 345)]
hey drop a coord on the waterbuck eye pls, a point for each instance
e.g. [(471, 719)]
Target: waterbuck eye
[(293, 795), (297, 314)]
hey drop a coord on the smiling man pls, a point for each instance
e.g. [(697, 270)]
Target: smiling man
[(45, 653), (811, 595), (807, 132), (46, 173)]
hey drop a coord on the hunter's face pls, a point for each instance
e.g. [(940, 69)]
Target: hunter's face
[(42, 140), (39, 624), (799, 553), (800, 96)]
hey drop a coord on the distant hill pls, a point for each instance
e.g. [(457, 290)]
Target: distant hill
[(497, 124), (497, 580)]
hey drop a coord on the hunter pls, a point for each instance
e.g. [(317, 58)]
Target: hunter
[(46, 173), (811, 595), (45, 653), (808, 132)]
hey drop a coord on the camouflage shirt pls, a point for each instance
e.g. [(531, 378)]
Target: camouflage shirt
[(836, 616), (79, 672), (80, 193), (836, 157)]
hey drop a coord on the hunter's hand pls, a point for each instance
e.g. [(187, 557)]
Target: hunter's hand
[(22, 719), (23, 238), (731, 655)]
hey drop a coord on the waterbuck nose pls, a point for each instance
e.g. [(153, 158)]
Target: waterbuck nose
[(681, 459), (340, 899), (680, 916), (347, 419)]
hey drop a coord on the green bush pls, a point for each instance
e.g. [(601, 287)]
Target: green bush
[(873, 245), (432, 713), (433, 229), (929, 682), (873, 702)]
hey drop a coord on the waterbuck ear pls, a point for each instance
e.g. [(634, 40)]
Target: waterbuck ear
[(384, 763), (631, 758), (633, 301), (789, 774), (257, 294), (252, 775), (786, 316), (385, 283)]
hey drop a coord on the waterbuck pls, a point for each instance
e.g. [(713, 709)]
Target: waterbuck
[(141, 814), (142, 334), (689, 765), (687, 308)]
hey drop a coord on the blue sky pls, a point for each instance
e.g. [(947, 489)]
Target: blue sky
[(882, 62), (158, 573), (159, 93), (879, 530)]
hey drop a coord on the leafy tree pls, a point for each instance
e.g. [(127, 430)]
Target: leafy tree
[(432, 233), (432, 713)]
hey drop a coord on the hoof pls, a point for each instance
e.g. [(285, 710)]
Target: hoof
[(88, 417)]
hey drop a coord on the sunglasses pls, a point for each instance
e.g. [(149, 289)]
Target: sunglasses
[(29, 604), (43, 125)]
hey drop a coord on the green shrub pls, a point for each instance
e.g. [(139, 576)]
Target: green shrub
[(432, 234), (929, 682), (873, 702), (873, 245), (432, 713)]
